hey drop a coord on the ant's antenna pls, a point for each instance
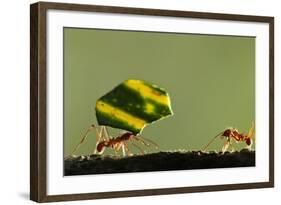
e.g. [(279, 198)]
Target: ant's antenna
[(84, 136), (204, 149)]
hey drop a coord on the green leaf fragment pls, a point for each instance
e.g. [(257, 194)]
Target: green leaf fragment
[(132, 105)]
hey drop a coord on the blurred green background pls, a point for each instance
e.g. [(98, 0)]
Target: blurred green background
[(210, 79)]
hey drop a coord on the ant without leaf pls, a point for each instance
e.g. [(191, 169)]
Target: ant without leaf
[(233, 134), (115, 143)]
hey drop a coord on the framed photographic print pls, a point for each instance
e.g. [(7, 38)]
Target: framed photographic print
[(134, 102)]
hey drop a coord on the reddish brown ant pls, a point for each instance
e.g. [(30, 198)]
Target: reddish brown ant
[(122, 142), (117, 143), (232, 133)]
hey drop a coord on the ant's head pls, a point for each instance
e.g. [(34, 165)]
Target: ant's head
[(101, 146), (227, 133)]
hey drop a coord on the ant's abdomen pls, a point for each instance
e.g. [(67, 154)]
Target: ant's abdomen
[(248, 141)]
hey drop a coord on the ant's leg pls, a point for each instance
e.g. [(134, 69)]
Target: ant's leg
[(100, 138), (231, 146), (116, 153), (142, 140), (138, 147), (84, 137), (106, 135), (225, 146), (127, 149), (123, 150), (120, 145), (116, 148)]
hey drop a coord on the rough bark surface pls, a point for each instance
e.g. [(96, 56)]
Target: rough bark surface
[(161, 161)]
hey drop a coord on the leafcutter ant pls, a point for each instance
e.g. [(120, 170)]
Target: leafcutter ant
[(104, 140), (233, 134)]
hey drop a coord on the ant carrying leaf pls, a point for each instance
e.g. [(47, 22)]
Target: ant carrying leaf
[(104, 140), (130, 106)]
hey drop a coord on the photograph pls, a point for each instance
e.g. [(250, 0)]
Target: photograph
[(137, 101), (129, 101)]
